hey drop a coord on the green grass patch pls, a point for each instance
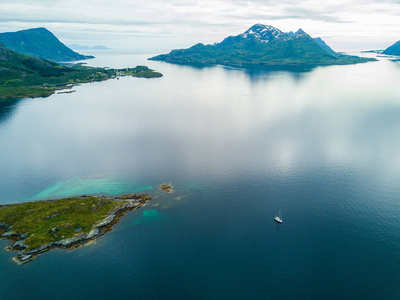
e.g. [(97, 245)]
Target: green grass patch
[(50, 221)]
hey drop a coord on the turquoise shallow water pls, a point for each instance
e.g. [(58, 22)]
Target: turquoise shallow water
[(321, 146), (79, 186)]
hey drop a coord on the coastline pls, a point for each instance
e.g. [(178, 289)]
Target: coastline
[(48, 87), (17, 240), (261, 65)]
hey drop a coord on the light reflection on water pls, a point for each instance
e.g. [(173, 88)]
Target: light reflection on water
[(238, 145)]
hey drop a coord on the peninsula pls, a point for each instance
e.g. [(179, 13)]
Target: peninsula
[(36, 227), (25, 76), (262, 45)]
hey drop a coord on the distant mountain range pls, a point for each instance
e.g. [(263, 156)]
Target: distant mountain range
[(393, 50), (39, 42), (263, 45), (82, 47)]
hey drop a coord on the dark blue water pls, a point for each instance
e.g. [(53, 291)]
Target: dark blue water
[(321, 146)]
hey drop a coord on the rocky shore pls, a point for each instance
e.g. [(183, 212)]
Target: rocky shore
[(123, 204)]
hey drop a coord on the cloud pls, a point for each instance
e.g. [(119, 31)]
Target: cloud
[(180, 23)]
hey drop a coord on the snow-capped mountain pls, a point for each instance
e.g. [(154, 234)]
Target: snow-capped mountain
[(264, 33), (262, 45)]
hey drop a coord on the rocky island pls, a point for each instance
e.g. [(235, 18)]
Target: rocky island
[(166, 187), (36, 227)]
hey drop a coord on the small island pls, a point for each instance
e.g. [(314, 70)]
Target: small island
[(166, 187), (36, 227)]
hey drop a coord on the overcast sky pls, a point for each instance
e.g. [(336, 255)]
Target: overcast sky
[(167, 24)]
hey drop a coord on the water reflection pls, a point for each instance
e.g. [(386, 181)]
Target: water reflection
[(253, 72), (257, 73), (323, 149), (202, 121), (7, 108)]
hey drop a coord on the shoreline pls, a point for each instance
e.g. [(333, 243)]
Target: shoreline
[(94, 75), (128, 202)]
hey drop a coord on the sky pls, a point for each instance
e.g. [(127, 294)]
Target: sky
[(162, 25)]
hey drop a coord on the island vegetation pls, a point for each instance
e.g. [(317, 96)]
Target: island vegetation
[(262, 45), (25, 76), (36, 227)]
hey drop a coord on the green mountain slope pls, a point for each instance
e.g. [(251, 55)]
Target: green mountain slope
[(15, 66), (324, 46), (262, 45), (393, 50), (39, 42)]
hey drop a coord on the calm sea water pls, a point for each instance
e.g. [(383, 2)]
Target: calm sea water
[(322, 146)]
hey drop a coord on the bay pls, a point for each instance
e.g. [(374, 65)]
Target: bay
[(320, 145)]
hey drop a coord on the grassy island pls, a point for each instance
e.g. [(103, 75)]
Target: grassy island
[(36, 227)]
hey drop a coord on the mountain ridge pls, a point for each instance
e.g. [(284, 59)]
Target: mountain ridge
[(17, 66), (393, 49), (39, 42), (262, 45)]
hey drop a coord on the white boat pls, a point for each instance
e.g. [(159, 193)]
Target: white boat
[(278, 219)]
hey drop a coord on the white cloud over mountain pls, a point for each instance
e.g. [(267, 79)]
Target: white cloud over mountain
[(160, 24)]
